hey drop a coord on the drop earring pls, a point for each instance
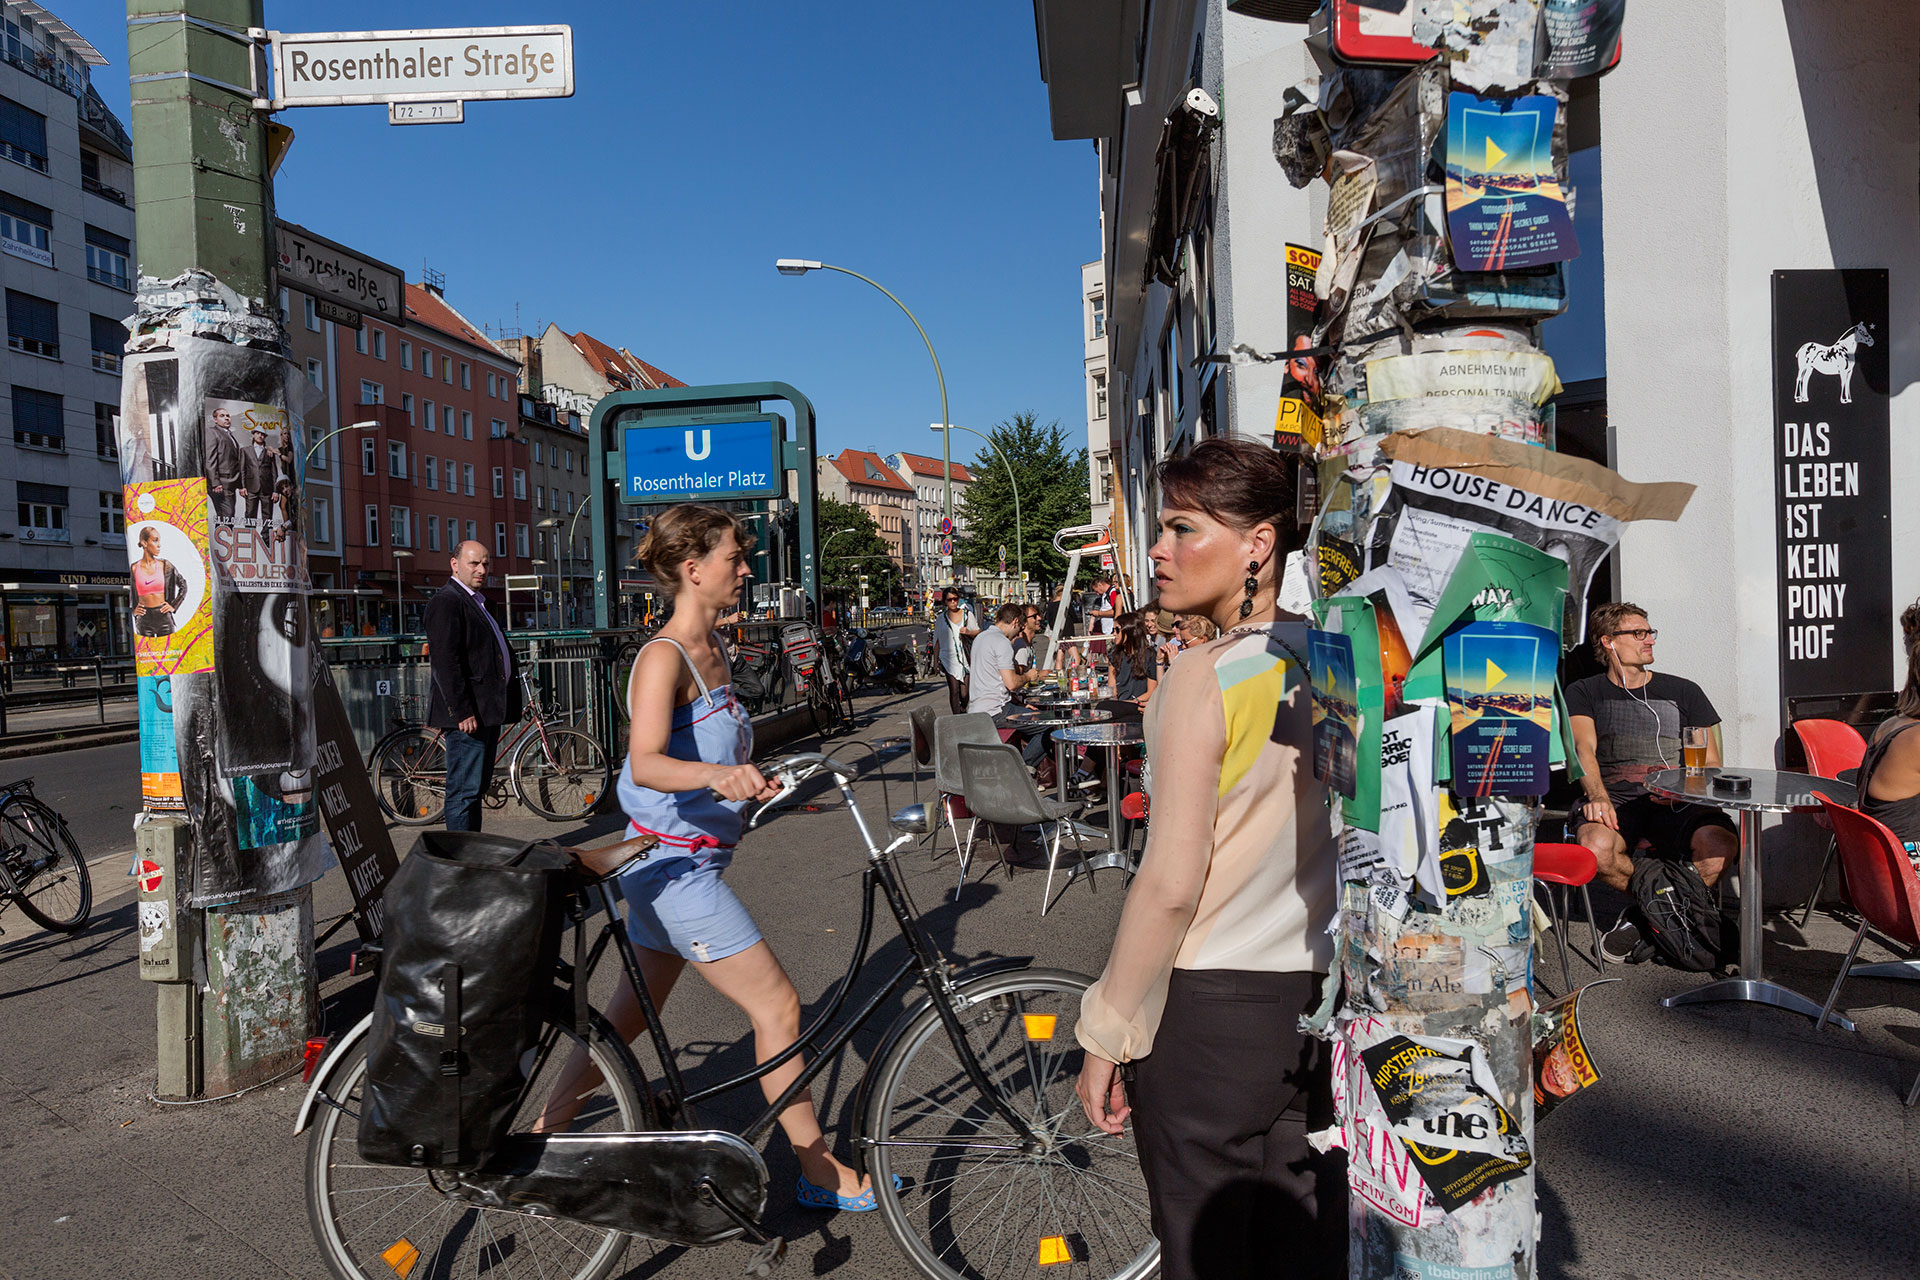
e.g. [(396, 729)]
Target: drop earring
[(1253, 585)]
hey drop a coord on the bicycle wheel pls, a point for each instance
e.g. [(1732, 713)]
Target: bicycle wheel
[(44, 869), (410, 776), (970, 1208), (561, 774), (379, 1222)]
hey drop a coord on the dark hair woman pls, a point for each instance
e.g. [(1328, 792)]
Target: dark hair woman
[(1222, 944), (158, 587), (1132, 668), (687, 774), (1889, 779)]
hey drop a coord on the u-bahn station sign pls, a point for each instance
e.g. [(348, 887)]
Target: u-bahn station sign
[(339, 68)]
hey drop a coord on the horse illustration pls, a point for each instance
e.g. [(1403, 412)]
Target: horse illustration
[(1837, 359)]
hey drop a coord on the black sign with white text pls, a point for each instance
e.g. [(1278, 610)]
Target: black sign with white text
[(1831, 482)]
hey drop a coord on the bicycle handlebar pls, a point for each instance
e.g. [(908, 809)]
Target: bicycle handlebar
[(793, 770)]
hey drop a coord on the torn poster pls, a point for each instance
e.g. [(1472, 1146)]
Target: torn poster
[(1505, 207), (1441, 1099), (1526, 375), (1485, 43), (1583, 37), (1336, 711), (1380, 1169), (1561, 1064)]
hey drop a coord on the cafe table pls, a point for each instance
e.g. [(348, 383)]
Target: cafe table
[(1771, 791), (1043, 719), (1126, 733)]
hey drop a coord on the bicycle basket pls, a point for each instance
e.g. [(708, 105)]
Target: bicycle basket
[(472, 934)]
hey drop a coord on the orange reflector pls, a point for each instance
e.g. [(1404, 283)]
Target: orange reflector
[(1039, 1025), (401, 1255), (1054, 1250)]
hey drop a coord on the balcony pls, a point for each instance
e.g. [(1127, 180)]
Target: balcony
[(110, 279), (105, 192), (41, 67)]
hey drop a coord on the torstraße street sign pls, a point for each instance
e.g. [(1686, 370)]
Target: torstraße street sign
[(333, 68)]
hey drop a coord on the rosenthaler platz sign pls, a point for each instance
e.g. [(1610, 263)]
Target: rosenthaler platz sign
[(343, 67)]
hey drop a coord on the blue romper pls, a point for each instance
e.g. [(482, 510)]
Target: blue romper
[(676, 900)]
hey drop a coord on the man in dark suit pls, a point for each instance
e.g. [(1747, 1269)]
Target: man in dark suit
[(257, 467), (222, 463), (476, 683)]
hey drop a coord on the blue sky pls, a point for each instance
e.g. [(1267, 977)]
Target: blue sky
[(905, 141)]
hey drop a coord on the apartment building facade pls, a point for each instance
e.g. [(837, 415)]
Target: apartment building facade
[(66, 246), (926, 476), (863, 478)]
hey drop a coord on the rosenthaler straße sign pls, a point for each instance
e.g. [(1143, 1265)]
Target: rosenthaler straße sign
[(334, 68)]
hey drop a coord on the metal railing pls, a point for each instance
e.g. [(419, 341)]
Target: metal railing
[(41, 684)]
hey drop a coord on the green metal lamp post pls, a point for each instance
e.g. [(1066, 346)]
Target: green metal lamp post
[(1019, 539)]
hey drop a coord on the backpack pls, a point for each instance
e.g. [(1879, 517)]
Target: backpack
[(473, 925), (1684, 922)]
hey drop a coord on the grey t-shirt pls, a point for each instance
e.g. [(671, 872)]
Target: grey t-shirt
[(992, 654)]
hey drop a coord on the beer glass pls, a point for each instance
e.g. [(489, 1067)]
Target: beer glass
[(1693, 750)]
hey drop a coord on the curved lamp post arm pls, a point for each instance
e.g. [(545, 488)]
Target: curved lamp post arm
[(351, 426)]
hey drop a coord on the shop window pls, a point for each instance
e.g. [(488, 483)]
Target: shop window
[(42, 512), (39, 419), (33, 325), (113, 512), (26, 229)]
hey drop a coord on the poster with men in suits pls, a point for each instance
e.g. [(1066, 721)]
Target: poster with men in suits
[(253, 494)]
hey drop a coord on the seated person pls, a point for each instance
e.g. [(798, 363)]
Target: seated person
[(1889, 778), (1626, 724), (1132, 672), (1029, 651), (996, 677)]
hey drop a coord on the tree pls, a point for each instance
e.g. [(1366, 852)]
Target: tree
[(844, 558), (1053, 496)]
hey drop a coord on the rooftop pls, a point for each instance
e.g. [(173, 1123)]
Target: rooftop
[(861, 466), (424, 306), (623, 370), (920, 464)]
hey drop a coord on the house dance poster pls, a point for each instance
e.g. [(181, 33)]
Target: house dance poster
[(1505, 209)]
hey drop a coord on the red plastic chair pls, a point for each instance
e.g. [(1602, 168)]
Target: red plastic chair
[(1884, 888), (1559, 867), (1831, 746)]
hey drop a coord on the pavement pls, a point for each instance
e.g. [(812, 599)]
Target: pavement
[(1722, 1141)]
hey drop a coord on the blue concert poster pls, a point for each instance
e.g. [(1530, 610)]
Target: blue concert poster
[(1505, 209), (1500, 679), (1336, 711)]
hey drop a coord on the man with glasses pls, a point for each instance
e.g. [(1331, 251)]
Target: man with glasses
[(1627, 724), (953, 632), (1027, 651)]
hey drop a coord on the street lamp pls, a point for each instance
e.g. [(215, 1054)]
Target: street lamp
[(1019, 542), (559, 587), (400, 558), (800, 267), (539, 575), (352, 426)]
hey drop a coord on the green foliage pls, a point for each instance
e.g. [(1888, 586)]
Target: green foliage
[(844, 558), (1053, 496)]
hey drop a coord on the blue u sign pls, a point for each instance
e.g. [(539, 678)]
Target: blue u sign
[(690, 462)]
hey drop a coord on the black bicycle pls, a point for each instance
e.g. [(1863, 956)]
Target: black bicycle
[(40, 864), (969, 1102)]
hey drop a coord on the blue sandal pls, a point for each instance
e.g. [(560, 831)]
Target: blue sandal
[(816, 1197)]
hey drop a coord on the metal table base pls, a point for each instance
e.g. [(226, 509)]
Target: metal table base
[(1759, 991)]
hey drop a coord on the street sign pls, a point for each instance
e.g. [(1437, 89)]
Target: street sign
[(335, 68), (426, 113), (327, 309), (946, 546), (692, 460), (946, 526), (314, 264)]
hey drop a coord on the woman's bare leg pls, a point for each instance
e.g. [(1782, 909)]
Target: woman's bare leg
[(580, 1077), (754, 980)]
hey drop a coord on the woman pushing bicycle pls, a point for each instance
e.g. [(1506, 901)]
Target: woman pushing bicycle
[(686, 778)]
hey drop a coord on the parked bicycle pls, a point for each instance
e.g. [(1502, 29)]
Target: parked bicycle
[(969, 1102), (40, 864), (558, 772)]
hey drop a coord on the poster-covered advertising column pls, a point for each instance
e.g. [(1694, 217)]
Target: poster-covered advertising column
[(211, 448)]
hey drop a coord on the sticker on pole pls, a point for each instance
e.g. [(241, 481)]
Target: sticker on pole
[(149, 876)]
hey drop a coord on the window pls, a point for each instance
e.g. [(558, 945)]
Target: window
[(311, 315), (493, 384), (569, 453), (519, 484), (38, 419), (379, 344), (43, 512), (372, 392), (109, 340), (433, 532), (536, 451), (498, 431), (286, 305), (426, 361), (466, 476), (1099, 315), (113, 512), (373, 525), (433, 473), (399, 518), (446, 420), (499, 538), (466, 376), (406, 406), (406, 354), (369, 455), (446, 369), (314, 371), (26, 229), (360, 339), (539, 498), (322, 521), (33, 325), (428, 424), (23, 135), (1099, 395), (396, 460), (453, 535), (106, 430), (1170, 371), (466, 425), (520, 539), (472, 534), (499, 482)]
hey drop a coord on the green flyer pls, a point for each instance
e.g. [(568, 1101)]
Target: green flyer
[(1356, 699)]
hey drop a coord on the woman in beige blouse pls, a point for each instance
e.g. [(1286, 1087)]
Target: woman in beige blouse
[(1193, 1030)]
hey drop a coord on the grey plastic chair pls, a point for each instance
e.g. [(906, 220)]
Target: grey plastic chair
[(949, 732), (1001, 791)]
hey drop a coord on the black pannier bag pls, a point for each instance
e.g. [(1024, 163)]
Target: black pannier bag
[(473, 926)]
